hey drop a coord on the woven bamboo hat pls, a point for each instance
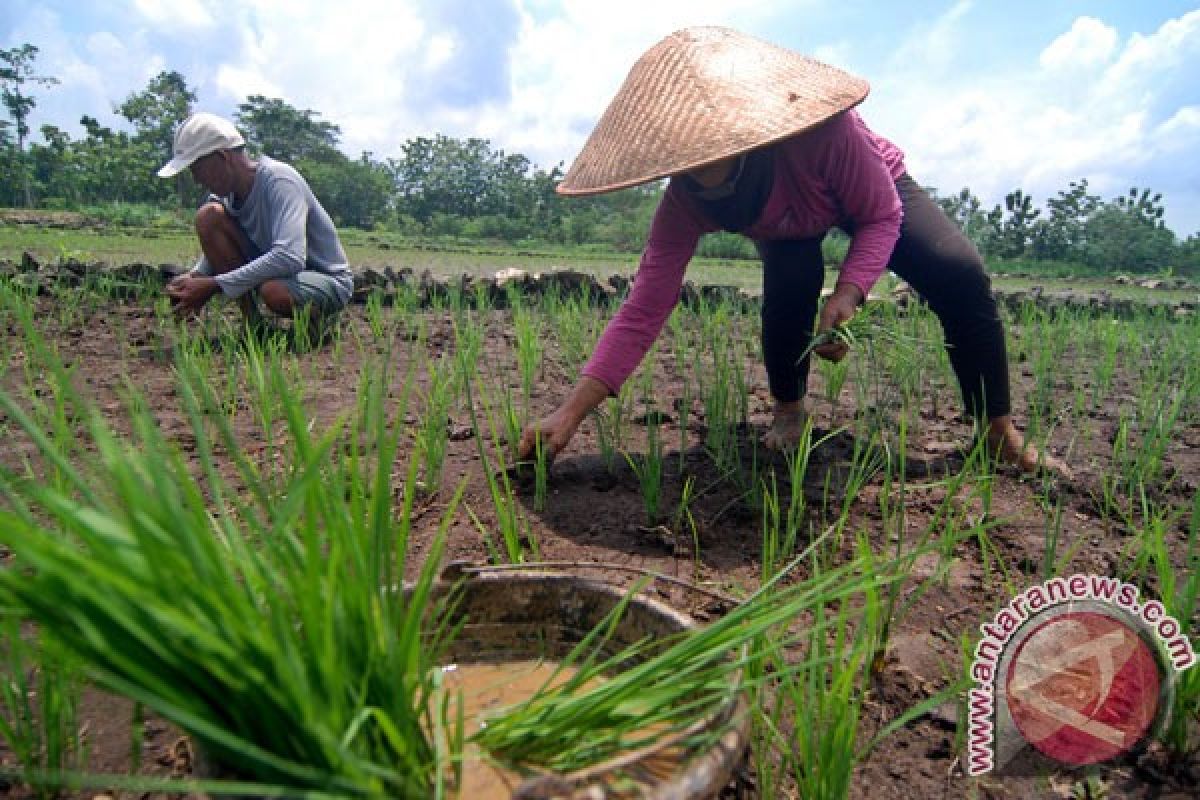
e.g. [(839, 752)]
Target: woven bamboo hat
[(701, 95)]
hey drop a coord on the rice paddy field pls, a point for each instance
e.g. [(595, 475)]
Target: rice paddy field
[(203, 529)]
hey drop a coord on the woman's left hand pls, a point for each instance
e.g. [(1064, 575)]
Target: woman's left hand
[(839, 308)]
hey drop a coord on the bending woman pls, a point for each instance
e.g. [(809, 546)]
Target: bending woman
[(762, 141)]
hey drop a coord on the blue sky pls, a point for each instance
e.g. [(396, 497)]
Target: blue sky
[(990, 95)]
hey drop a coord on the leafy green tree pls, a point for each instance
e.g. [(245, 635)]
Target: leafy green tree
[(110, 166), (355, 193), (53, 166), (444, 175), (1129, 234), (16, 72), (1188, 256), (155, 113), (1062, 234), (1009, 231), (279, 130), (966, 211)]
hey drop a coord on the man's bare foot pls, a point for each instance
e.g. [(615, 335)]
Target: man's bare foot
[(787, 428), (1010, 447)]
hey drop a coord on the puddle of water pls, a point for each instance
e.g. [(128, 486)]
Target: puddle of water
[(485, 688)]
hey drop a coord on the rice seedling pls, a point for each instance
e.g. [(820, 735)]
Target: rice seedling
[(515, 533), (39, 701), (529, 346), (649, 471), (1180, 590), (541, 473), (432, 436), (376, 316), (610, 419), (265, 626), (576, 320), (870, 324), (684, 520)]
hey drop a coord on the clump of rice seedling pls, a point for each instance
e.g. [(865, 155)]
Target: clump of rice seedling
[(868, 325), (264, 623)]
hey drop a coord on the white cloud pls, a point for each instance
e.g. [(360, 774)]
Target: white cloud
[(1117, 121), (175, 13), (1089, 43)]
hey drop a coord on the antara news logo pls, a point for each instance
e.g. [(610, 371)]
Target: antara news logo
[(1079, 668)]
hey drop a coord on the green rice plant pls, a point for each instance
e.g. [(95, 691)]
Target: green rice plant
[(721, 402), (835, 374), (1147, 558), (773, 541), (39, 705), (529, 346), (432, 435), (264, 623), (649, 471), (827, 702), (1180, 590), (1105, 368), (684, 520), (541, 475), (870, 324), (826, 699), (867, 459), (610, 419), (515, 533)]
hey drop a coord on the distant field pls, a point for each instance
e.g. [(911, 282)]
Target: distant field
[(365, 249)]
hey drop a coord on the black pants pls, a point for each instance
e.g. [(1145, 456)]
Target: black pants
[(941, 265)]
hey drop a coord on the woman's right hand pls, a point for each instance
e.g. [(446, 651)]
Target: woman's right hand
[(556, 430)]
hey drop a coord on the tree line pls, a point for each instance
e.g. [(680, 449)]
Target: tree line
[(446, 186)]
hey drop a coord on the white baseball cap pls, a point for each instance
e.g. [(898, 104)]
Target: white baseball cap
[(200, 134)]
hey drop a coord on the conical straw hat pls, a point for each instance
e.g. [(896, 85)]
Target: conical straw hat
[(701, 95)]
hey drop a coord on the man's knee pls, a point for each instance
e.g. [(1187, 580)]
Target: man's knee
[(212, 220), (276, 296)]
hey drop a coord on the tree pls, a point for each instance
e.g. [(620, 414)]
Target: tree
[(16, 71), (156, 112), (1128, 234), (276, 129), (1062, 235), (966, 211), (1188, 255), (355, 193), (1010, 235)]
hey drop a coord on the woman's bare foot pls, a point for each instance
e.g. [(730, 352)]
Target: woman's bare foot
[(1007, 443), (787, 428)]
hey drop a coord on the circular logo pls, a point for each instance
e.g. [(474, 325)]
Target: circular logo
[(1083, 687)]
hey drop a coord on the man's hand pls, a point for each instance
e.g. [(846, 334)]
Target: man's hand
[(840, 307), (190, 292)]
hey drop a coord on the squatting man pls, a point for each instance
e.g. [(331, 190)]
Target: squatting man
[(262, 231)]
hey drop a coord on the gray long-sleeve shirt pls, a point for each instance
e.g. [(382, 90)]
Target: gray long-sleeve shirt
[(292, 232)]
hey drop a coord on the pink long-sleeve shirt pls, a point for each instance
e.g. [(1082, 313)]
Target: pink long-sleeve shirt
[(840, 174)]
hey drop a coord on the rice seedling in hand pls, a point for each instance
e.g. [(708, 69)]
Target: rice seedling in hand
[(870, 324)]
